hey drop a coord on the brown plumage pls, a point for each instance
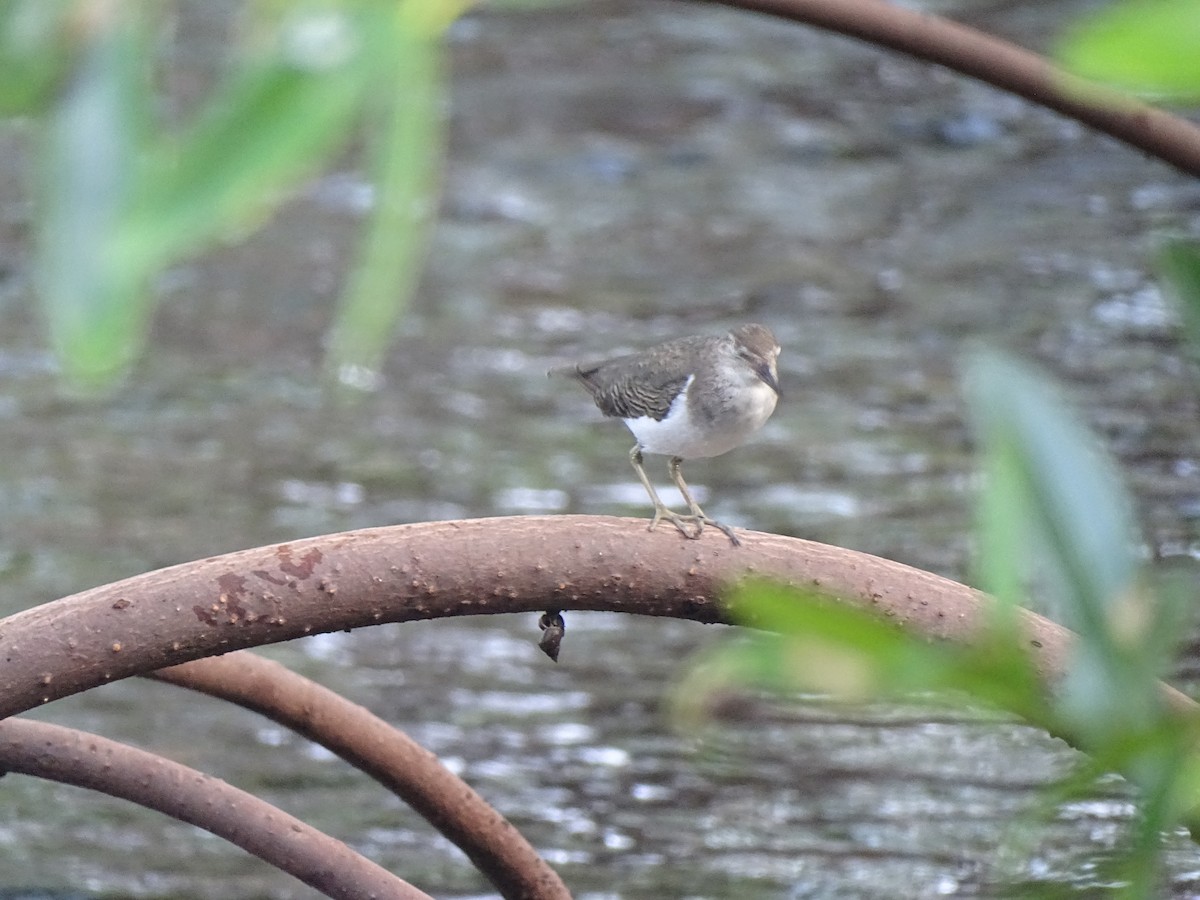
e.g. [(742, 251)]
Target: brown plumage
[(687, 398), (646, 383)]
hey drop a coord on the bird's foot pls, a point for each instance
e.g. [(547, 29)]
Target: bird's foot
[(680, 522), (698, 520), (703, 520)]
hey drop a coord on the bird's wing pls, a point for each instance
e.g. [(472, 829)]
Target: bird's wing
[(640, 384)]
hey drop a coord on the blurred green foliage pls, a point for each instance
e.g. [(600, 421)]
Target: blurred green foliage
[(1054, 521), (34, 49), (404, 170), (1055, 517), (1179, 260), (1145, 47), (123, 195), (1054, 525), (1150, 48)]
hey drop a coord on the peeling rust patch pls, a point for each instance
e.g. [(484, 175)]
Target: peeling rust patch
[(205, 615), (302, 569), (296, 570), (234, 609), (227, 607), (232, 584)]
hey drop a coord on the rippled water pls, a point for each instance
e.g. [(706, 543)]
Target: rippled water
[(619, 173)]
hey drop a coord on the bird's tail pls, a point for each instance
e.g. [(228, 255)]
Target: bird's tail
[(570, 371)]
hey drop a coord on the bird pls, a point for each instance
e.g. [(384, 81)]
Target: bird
[(688, 398)]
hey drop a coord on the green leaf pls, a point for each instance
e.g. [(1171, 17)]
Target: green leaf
[(273, 124), (1052, 495), (828, 646), (1054, 510), (1002, 525), (1180, 263), (34, 52), (407, 145), (87, 170), (120, 208), (1147, 47)]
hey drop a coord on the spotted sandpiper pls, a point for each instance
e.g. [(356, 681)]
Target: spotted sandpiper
[(689, 398)]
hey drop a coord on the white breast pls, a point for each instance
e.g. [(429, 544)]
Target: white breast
[(681, 434)]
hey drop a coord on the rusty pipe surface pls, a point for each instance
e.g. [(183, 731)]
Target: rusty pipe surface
[(87, 760), (385, 753), (998, 62), (467, 567)]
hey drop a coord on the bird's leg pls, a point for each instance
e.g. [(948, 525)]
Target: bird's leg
[(660, 508), (697, 513)]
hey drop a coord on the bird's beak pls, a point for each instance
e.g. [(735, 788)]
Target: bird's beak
[(767, 374)]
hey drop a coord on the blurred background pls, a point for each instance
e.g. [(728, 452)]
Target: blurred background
[(617, 174)]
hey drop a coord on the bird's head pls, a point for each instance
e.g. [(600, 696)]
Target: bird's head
[(758, 347)]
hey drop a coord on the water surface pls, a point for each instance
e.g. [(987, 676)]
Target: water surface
[(619, 173)]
